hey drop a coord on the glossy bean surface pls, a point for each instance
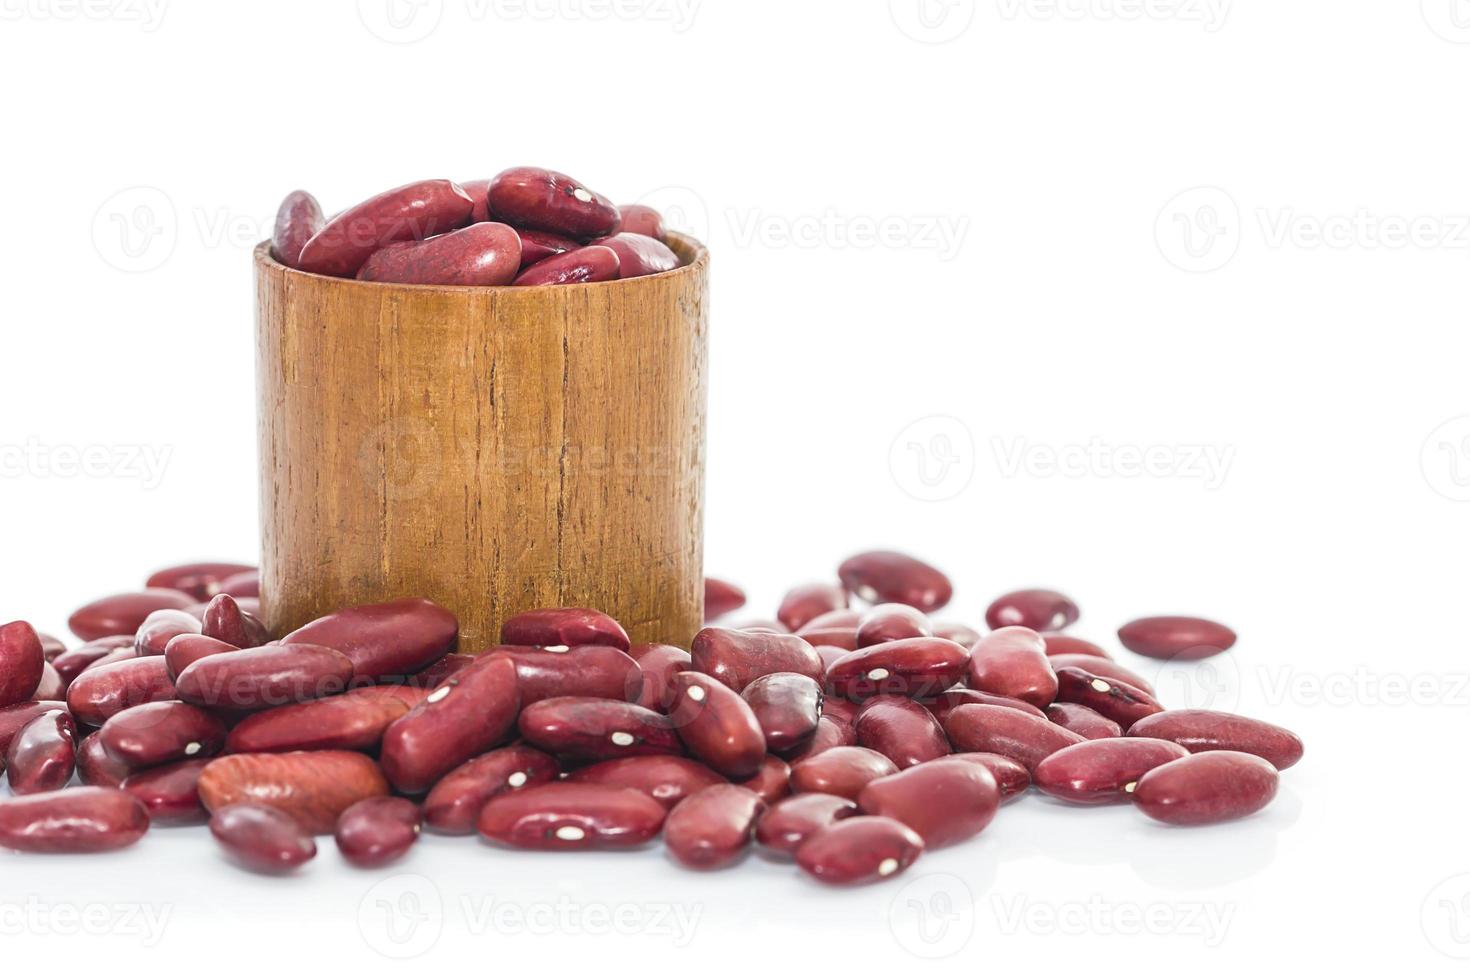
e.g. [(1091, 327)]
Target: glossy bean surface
[(52, 686), (1061, 643), (171, 792), (1010, 776), (377, 831), (942, 704), (225, 620), (1199, 730), (161, 732), (721, 598), (1176, 637), (841, 771), (160, 628), (1082, 720), (297, 219), (484, 254), (262, 838), (666, 778), (1102, 668), (572, 816), (1103, 771), (1114, 699), (965, 636), (386, 641), (859, 850), (456, 800), (803, 603), (945, 801), (472, 712), (890, 621), (716, 725), (42, 756), (736, 658), (562, 629), (1005, 731), (890, 576), (582, 671), (479, 192), (101, 692), (538, 245), (124, 613), (22, 659), (591, 263), (311, 787), (657, 665), (915, 668), (1042, 610), (355, 720), (597, 728), (1012, 663), (901, 729), (15, 717), (411, 212), (639, 255), (96, 768), (831, 733), (787, 706), (640, 219), (792, 820), (1208, 788), (242, 585), (533, 197), (772, 782), (85, 820), (265, 677), (713, 827), (108, 649), (186, 648), (202, 579)]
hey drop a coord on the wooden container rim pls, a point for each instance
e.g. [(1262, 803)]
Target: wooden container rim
[(693, 255)]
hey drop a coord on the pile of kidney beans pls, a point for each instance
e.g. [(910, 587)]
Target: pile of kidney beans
[(850, 738), (525, 227)]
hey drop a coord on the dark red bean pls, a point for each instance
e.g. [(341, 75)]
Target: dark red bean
[(888, 576), (297, 220), (1207, 788), (791, 821), (186, 648), (1103, 771), (52, 686), (593, 263), (413, 211), (96, 768), (225, 620), (841, 709), (859, 850), (162, 732), (561, 629), (538, 245), (85, 820), (532, 197), (265, 677), (479, 192), (22, 660), (160, 628), (831, 654), (1005, 731), (666, 778), (17, 716), (109, 649), (434, 675), (1082, 720), (246, 603), (101, 692), (171, 793), (378, 831), (484, 254), (736, 658), (1043, 610), (582, 671), (831, 733), (387, 640), (242, 585), (945, 801), (716, 725), (902, 730), (1102, 668), (1176, 637), (1118, 700), (1199, 730), (721, 598), (1058, 644), (597, 728), (262, 838), (787, 706), (842, 638), (657, 665), (944, 703), (639, 255), (572, 817), (713, 827), (916, 668), (804, 603), (202, 580), (474, 711), (355, 720), (890, 621), (123, 614), (455, 802), (773, 782), (965, 636), (311, 787), (640, 219), (1012, 663), (1012, 777), (841, 771), (43, 754), (51, 647)]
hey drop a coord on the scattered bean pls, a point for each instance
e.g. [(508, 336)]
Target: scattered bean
[(22, 660), (945, 801), (224, 620), (355, 720), (582, 671), (1103, 771), (386, 640), (716, 725), (787, 706), (377, 831), (1042, 610), (901, 729), (161, 732), (888, 576), (1082, 720), (85, 820), (1012, 663), (101, 692), (1199, 730), (1005, 731), (890, 621), (597, 728), (721, 598), (262, 838), (562, 629), (42, 756), (473, 712), (456, 800), (791, 821), (1207, 788), (1118, 700), (736, 658), (1176, 637), (916, 668), (265, 677), (841, 771), (805, 603), (572, 817), (125, 613), (202, 580), (713, 827), (1012, 777), (311, 787), (666, 778), (859, 850), (171, 793)]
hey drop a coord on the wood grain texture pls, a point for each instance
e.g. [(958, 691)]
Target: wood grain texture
[(493, 449)]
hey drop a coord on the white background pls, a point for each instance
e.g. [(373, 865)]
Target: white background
[(1230, 238)]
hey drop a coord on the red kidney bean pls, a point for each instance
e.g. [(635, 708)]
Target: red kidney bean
[(42, 756), (716, 725), (51, 647), (639, 255), (572, 817), (1199, 730), (265, 677), (484, 254), (1102, 771), (17, 716), (902, 730), (1176, 637), (787, 707), (1118, 700), (831, 733), (159, 628), (721, 598), (86, 820), (1102, 668), (434, 675), (456, 800), (859, 850), (119, 614), (1058, 644), (202, 580), (98, 694), (840, 709), (161, 732), (1084, 721), (242, 585), (1012, 777), (562, 629), (297, 220), (355, 720), (916, 668), (640, 219), (186, 648), (375, 832), (538, 245), (225, 620), (804, 603), (1207, 788), (171, 793), (943, 704), (841, 771), (1012, 663), (964, 635), (848, 618), (888, 576), (22, 660), (386, 640), (842, 638), (52, 687), (582, 671), (479, 192), (592, 263), (713, 828), (791, 821), (597, 728), (246, 604), (262, 838), (532, 197), (831, 654), (772, 782), (1043, 610), (109, 649), (657, 665), (889, 621), (945, 801), (1005, 731), (96, 768), (736, 658), (666, 778), (413, 211), (474, 711), (312, 787)]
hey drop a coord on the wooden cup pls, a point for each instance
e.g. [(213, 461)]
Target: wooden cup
[(493, 449)]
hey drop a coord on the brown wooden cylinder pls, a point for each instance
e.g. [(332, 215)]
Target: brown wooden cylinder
[(493, 449)]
